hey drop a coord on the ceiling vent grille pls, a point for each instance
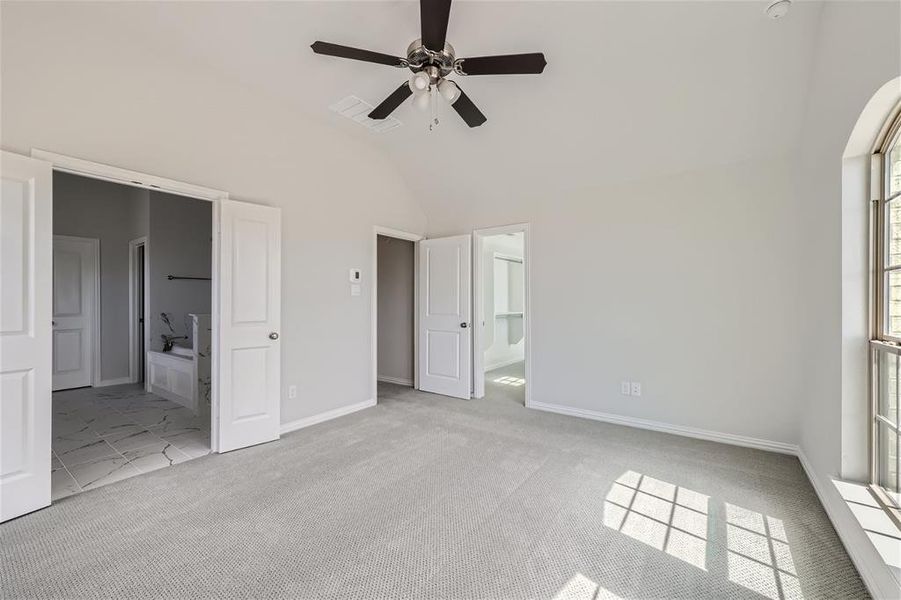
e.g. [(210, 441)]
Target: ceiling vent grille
[(357, 110)]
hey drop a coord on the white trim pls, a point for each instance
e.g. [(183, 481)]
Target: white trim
[(478, 355), (133, 328), (378, 230), (108, 382), (702, 434), (501, 365), (853, 537), (86, 168), (326, 416), (395, 380)]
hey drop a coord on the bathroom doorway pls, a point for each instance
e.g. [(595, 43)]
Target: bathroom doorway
[(501, 306), (147, 402)]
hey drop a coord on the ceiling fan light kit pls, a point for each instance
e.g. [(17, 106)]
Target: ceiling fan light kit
[(431, 59)]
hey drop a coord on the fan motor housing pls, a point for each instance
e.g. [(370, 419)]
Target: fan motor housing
[(419, 58)]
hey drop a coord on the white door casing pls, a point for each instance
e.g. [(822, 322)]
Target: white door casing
[(250, 317), (26, 229), (445, 306), (74, 310)]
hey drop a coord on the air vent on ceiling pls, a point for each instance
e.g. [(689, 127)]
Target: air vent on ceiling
[(357, 110)]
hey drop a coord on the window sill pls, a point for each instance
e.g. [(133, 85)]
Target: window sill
[(879, 527)]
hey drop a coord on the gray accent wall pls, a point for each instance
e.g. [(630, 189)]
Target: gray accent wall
[(181, 231), (115, 214), (395, 308)]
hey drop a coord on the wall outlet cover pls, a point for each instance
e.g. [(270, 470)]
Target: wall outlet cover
[(292, 391), (636, 388)]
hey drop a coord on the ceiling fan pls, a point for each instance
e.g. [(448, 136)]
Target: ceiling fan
[(432, 59)]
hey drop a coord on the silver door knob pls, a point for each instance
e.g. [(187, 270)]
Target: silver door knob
[(273, 336)]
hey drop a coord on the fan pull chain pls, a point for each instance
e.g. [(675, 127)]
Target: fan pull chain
[(433, 103)]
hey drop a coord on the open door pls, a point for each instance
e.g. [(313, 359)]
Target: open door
[(250, 315), (26, 229), (445, 305)]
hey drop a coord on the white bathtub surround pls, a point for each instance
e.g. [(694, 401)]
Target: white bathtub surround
[(102, 435), (183, 375)]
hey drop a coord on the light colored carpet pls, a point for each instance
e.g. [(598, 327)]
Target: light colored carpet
[(431, 497)]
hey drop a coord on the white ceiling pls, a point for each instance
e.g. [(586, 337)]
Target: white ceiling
[(631, 90)]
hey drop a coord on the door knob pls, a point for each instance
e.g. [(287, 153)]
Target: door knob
[(464, 325), (273, 336)]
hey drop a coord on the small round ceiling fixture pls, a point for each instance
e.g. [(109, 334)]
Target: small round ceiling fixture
[(778, 9)]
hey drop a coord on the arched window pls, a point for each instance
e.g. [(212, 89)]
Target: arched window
[(885, 440)]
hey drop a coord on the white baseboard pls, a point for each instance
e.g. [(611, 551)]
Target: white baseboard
[(108, 382), (880, 583), (397, 380), (503, 363), (326, 416), (702, 434)]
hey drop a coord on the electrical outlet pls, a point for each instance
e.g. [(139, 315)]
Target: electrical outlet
[(636, 388), (625, 388), (292, 391)]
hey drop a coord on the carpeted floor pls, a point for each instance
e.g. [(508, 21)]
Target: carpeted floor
[(431, 497)]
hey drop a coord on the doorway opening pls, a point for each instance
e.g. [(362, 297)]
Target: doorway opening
[(132, 332), (501, 304), (394, 304)]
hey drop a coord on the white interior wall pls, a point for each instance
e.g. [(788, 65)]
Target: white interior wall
[(180, 243), (503, 341), (395, 264), (156, 113), (114, 214), (686, 284)]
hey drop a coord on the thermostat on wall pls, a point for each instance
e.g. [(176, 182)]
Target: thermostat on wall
[(355, 275)]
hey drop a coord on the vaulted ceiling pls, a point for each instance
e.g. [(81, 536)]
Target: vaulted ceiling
[(631, 90)]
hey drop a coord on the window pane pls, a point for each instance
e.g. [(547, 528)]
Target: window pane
[(893, 303), (894, 168), (889, 369), (887, 460), (893, 233)]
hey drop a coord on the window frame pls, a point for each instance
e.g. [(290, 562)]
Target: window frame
[(880, 340)]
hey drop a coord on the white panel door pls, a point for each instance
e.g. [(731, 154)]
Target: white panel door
[(250, 317), (26, 224), (445, 304), (74, 264)]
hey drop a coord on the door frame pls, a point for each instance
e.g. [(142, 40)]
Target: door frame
[(94, 355), (135, 331), (86, 168), (398, 234), (478, 354)]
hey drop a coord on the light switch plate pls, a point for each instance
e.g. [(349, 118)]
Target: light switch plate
[(354, 289), (625, 388), (355, 275)]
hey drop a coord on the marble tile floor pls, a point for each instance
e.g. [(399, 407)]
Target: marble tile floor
[(102, 435)]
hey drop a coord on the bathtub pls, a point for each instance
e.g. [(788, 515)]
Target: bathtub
[(183, 374)]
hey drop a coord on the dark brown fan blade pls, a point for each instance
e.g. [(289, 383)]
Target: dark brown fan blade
[(433, 16), (507, 64), (466, 109), (391, 102), (356, 54)]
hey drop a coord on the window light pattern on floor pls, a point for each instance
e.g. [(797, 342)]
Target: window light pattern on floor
[(759, 556), (583, 588), (667, 517), (507, 380)]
